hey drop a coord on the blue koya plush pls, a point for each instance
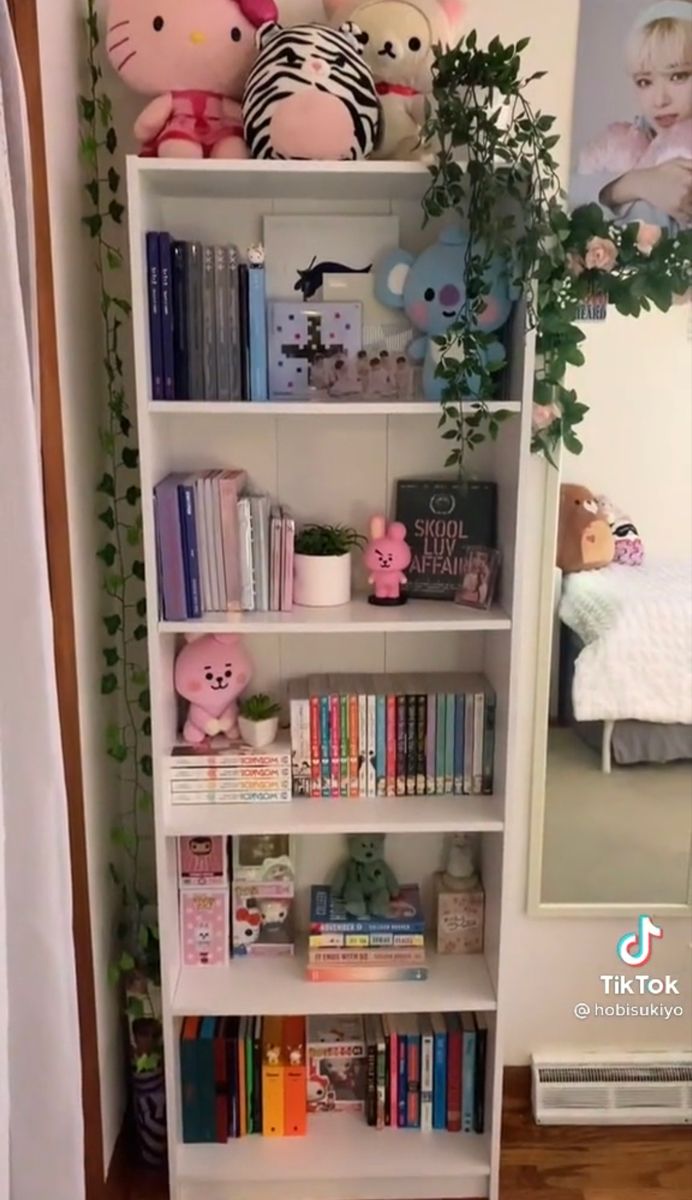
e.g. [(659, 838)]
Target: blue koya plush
[(431, 290)]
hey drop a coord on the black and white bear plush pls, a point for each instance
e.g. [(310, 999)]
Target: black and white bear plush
[(311, 95)]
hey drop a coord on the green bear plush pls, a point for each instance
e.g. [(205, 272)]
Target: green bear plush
[(364, 882)]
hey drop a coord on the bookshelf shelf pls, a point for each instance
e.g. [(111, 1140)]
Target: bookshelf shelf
[(405, 814), (419, 616), (278, 985), (339, 1147), (310, 408)]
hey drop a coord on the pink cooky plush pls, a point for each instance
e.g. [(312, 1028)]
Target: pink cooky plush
[(387, 555), (211, 671), (194, 58)]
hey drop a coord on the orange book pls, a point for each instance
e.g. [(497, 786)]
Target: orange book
[(242, 1100), (272, 1077), (295, 1078)]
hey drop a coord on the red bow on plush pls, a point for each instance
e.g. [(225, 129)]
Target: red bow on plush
[(250, 917), (395, 89)]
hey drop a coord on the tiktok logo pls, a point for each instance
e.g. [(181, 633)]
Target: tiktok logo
[(635, 949)]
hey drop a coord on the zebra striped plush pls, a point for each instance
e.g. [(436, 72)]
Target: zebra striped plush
[(310, 95)]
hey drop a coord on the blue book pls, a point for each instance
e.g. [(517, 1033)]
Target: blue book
[(243, 293), (188, 525), (459, 745), (328, 914), (402, 1080), (257, 325), (207, 1082), (166, 266), (325, 747), (169, 545), (155, 323), (181, 382), (381, 744), (468, 1072), (439, 1071)]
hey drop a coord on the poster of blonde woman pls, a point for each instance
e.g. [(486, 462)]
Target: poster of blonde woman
[(632, 138)]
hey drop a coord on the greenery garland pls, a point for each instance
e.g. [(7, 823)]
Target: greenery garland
[(124, 678), (495, 167)]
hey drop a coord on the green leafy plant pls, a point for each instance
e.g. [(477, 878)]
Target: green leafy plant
[(328, 540), (124, 678), (496, 169), (259, 708)]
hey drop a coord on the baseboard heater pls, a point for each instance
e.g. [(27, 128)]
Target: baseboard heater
[(627, 1089)]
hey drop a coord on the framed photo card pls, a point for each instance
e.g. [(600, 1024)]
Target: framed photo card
[(478, 575)]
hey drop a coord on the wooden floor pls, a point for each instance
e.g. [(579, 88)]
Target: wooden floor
[(555, 1163)]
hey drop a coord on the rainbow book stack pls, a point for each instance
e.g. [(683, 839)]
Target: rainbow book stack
[(347, 949), (229, 774)]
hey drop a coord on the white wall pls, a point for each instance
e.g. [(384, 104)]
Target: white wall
[(78, 330)]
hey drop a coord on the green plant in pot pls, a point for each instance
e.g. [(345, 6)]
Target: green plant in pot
[(258, 720), (322, 570)]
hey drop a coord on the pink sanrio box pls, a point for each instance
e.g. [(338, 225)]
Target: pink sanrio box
[(204, 927), (202, 862)]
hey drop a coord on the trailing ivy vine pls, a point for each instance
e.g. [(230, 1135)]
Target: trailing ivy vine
[(124, 678), (496, 169)]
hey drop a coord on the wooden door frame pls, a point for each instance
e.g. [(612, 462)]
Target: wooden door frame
[(24, 19)]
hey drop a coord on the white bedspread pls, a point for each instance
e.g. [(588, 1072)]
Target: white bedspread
[(636, 623)]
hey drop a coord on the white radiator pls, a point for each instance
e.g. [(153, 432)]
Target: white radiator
[(627, 1089)]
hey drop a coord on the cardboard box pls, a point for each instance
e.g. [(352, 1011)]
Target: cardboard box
[(460, 918)]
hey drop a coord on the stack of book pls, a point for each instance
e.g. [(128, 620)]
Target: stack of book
[(220, 549), (207, 321), (342, 947), (242, 1075), (426, 1071), (392, 735), (229, 774)]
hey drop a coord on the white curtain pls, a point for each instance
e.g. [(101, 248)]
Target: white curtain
[(41, 1128)]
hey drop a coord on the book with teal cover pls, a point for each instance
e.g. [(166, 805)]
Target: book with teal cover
[(450, 735), (206, 1076), (328, 913), (468, 1072)]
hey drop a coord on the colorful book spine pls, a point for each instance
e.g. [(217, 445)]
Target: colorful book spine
[(370, 1071), (325, 747), (272, 1077), (257, 323), (468, 1073), (344, 749), (208, 325), (222, 324), (408, 956), (155, 323), (439, 1073), (315, 741), (180, 343), (400, 702), (195, 323), (381, 1074), (489, 745), (460, 711), (440, 731), (295, 1077), (468, 744), (363, 756), (391, 726), (370, 748), (393, 1062), (167, 317), (478, 729), (241, 1078), (450, 733), (244, 306), (481, 1025), (453, 1073), (334, 746), (169, 537), (189, 1080), (207, 1089), (413, 1063), (411, 745), (381, 745), (402, 1080), (327, 941), (287, 561), (431, 746), (421, 733), (247, 570), (354, 789), (426, 1075), (233, 292), (366, 974)]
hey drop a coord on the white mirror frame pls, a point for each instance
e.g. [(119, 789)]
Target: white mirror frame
[(536, 907)]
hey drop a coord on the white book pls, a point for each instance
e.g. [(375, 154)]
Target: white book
[(371, 776), (247, 574), (478, 724), (299, 707), (203, 544), (426, 1073), (211, 542), (259, 507), (288, 537), (362, 736), (217, 533), (275, 540)]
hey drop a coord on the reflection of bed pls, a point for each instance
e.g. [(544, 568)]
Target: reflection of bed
[(626, 660)]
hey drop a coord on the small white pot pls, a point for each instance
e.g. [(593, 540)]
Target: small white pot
[(322, 581), (258, 733)]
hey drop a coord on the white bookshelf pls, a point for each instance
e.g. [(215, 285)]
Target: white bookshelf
[(330, 462)]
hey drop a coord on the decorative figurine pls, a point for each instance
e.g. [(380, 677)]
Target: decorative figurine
[(387, 555)]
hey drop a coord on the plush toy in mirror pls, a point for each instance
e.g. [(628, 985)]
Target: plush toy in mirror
[(432, 291), (584, 539), (311, 95), (194, 58), (210, 672), (387, 555), (364, 882), (398, 37)]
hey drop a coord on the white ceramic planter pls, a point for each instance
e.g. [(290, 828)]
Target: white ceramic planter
[(258, 734), (321, 581)]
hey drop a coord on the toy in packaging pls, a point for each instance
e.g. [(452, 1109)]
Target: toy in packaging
[(204, 927), (202, 862), (264, 858), (336, 1064), (263, 920)]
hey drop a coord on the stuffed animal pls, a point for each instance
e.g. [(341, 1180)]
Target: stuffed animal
[(584, 540), (387, 555), (211, 671), (195, 59), (629, 548), (398, 37), (431, 290), (311, 95), (364, 882)]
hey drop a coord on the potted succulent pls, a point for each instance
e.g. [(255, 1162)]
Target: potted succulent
[(322, 570), (258, 720)]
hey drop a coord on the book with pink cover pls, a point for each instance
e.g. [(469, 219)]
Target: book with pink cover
[(231, 485), (288, 537)]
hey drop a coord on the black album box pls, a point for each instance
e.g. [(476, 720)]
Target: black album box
[(443, 517)]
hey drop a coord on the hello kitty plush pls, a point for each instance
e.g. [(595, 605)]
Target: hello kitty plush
[(387, 555), (398, 37), (194, 58), (211, 672)]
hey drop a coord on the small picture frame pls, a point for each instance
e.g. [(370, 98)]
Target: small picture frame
[(479, 571)]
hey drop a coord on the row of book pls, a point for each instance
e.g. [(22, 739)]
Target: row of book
[(392, 735), (220, 549), (207, 323), (343, 948), (264, 1075)]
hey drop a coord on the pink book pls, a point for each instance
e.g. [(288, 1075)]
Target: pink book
[(287, 554), (335, 745), (231, 485), (275, 577), (391, 745), (315, 754)]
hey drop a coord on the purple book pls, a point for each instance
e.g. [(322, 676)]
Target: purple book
[(167, 342), (170, 549), (155, 324)]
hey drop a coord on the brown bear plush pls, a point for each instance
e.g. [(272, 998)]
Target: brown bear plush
[(584, 540)]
